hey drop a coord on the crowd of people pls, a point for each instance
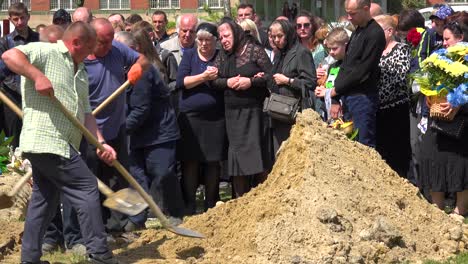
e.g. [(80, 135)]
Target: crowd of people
[(195, 112)]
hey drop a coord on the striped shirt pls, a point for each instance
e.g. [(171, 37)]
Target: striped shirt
[(45, 128)]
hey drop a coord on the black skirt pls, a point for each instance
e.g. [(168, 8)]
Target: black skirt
[(393, 137), (444, 162), (203, 137), (244, 126)]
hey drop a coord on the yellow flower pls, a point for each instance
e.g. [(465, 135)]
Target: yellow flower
[(458, 49), (457, 69)]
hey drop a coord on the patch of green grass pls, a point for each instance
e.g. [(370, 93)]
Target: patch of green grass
[(459, 259), (65, 258)]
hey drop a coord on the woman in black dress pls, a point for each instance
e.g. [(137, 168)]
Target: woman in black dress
[(444, 158), (239, 61), (293, 72)]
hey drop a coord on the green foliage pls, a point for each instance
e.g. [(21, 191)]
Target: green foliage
[(413, 4), (171, 24), (79, 3), (212, 15), (459, 259), (4, 150)]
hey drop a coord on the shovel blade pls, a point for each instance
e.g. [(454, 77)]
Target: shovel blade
[(126, 201), (184, 231), (5, 201)]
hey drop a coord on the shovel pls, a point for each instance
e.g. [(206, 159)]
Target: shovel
[(116, 164), (6, 200), (109, 99), (126, 201)]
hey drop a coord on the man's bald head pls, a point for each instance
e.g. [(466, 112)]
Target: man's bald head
[(51, 33), (82, 14), (80, 40), (375, 10), (105, 35), (186, 26), (80, 30)]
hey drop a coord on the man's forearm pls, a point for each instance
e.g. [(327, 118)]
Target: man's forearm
[(91, 125)]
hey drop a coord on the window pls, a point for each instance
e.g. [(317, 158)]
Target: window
[(7, 3), (164, 4), (210, 3), (114, 4), (64, 4)]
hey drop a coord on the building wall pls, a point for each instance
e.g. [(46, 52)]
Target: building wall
[(41, 13)]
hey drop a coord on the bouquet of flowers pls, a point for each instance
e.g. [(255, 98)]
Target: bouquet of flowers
[(444, 77), (414, 37)]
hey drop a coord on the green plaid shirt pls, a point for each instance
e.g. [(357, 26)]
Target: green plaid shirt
[(45, 128)]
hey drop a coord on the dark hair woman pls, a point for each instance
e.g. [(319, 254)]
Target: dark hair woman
[(241, 59), (201, 119), (293, 72), (152, 126), (305, 28)]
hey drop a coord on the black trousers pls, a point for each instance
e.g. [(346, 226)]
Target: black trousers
[(52, 176)]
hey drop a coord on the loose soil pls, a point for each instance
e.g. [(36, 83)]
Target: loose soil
[(10, 224), (327, 200)]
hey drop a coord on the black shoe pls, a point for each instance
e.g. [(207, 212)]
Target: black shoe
[(107, 258), (40, 262)]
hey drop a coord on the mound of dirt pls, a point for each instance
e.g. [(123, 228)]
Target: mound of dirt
[(327, 200)]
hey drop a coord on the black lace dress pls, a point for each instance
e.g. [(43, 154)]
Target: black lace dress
[(243, 109)]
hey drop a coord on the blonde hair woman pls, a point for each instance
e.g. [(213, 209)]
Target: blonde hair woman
[(393, 127)]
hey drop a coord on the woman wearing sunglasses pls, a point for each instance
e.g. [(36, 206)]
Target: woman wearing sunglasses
[(305, 30), (293, 73)]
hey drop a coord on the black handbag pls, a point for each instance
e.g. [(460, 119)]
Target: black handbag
[(453, 128), (281, 107)]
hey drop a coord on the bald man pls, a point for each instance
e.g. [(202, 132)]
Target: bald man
[(106, 70), (186, 25), (82, 14), (375, 10), (51, 33), (51, 145)]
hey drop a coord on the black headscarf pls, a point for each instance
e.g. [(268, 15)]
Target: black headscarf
[(228, 66), (291, 40)]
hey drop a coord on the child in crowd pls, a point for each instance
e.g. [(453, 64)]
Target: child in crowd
[(336, 42)]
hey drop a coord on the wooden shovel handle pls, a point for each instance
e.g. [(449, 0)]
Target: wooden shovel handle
[(116, 164), (20, 183), (11, 105), (111, 98)]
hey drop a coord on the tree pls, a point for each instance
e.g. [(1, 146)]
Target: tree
[(227, 8), (413, 4), (79, 3)]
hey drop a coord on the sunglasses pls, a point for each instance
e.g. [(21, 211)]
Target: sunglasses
[(305, 25)]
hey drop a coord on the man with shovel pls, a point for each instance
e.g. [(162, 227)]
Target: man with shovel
[(106, 68), (50, 141)]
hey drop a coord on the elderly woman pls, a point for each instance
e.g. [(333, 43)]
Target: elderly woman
[(293, 72), (201, 119), (242, 58), (393, 124), (444, 158)]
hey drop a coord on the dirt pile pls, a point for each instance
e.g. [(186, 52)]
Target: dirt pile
[(19, 208), (327, 200)]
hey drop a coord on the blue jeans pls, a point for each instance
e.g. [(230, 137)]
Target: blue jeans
[(153, 167), (362, 109), (53, 175)]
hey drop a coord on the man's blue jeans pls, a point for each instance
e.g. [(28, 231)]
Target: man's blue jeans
[(362, 109)]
